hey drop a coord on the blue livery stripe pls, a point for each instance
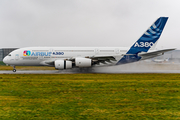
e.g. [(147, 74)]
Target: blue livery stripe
[(145, 42)]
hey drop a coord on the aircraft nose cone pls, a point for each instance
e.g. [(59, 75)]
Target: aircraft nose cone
[(5, 60)]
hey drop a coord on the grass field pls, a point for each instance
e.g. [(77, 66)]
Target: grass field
[(27, 68), (4, 67), (89, 96)]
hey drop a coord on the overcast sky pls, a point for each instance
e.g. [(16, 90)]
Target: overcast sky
[(104, 23)]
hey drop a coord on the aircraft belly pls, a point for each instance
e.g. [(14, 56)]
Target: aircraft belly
[(30, 63)]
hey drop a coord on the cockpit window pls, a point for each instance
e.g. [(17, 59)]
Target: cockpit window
[(9, 55)]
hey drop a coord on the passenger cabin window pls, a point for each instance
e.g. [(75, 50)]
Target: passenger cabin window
[(9, 55)]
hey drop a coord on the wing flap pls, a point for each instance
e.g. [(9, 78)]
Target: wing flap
[(103, 58)]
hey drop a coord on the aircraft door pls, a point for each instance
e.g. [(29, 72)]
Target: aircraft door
[(17, 57), (127, 57), (117, 51), (96, 51), (40, 57), (51, 50)]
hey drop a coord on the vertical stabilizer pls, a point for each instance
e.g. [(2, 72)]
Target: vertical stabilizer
[(149, 38), (147, 41)]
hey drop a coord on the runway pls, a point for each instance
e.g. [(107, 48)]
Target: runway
[(72, 72), (128, 68)]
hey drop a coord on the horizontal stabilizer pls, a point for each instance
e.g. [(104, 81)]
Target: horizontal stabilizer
[(148, 55)]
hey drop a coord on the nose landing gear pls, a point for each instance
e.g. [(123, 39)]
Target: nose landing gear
[(14, 69)]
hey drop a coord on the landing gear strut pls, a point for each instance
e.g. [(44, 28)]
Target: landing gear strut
[(14, 69)]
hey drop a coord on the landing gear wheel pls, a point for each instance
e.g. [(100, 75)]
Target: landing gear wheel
[(14, 70)]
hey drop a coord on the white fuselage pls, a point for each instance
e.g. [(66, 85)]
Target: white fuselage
[(39, 56)]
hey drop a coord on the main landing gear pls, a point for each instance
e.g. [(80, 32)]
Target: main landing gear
[(14, 69)]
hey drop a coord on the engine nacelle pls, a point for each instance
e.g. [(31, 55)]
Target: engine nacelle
[(62, 64), (83, 62)]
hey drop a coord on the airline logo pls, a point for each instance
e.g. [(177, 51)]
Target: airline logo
[(41, 54), (28, 53)]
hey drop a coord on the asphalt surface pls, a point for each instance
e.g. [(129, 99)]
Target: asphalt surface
[(128, 68), (73, 72)]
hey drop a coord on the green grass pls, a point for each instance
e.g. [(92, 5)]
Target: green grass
[(27, 68), (90, 96), (2, 64), (4, 67)]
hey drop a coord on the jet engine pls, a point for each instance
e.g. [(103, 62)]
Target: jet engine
[(62, 64), (83, 62)]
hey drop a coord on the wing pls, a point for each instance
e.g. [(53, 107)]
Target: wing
[(96, 60)]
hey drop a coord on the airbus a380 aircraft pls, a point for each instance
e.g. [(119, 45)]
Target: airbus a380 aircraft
[(83, 57)]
